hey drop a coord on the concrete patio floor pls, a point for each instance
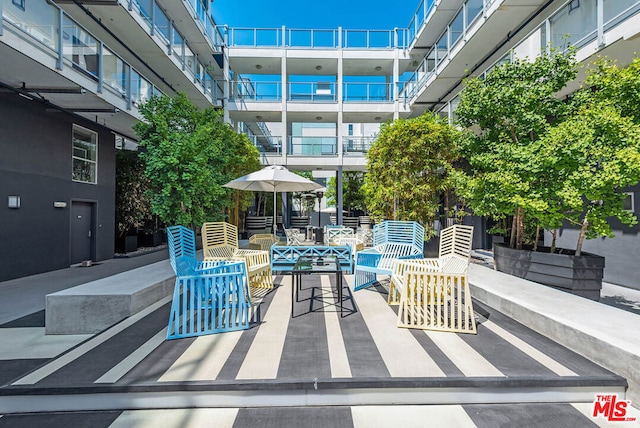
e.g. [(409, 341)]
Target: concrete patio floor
[(320, 369)]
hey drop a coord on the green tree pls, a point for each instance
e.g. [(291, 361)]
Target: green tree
[(353, 197), (511, 109), (409, 166), (594, 155), (186, 152), (133, 206)]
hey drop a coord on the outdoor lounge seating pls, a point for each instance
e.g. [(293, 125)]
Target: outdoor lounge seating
[(263, 241), (182, 251), (434, 293), (293, 236), (391, 240), (220, 242), (212, 302), (333, 233)]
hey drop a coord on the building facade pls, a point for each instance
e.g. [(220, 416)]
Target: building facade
[(309, 99)]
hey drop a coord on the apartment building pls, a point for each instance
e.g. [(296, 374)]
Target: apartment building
[(73, 73)]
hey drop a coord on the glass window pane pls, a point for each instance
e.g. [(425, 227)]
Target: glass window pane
[(79, 47), (114, 72), (474, 8), (457, 27), (177, 43), (613, 8), (442, 47), (39, 20), (84, 155), (574, 22), (161, 21)]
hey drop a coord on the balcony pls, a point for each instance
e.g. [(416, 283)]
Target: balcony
[(312, 146)]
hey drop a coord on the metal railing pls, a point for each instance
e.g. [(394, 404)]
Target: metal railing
[(51, 30), (312, 91), (255, 91), (267, 144), (356, 145), (312, 146), (316, 38), (364, 92)]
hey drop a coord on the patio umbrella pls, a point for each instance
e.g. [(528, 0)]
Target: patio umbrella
[(273, 178)]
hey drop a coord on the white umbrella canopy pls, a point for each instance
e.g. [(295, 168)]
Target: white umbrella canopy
[(273, 178)]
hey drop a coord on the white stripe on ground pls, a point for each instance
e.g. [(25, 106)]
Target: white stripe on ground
[(433, 416), (529, 350), (204, 359), (263, 358), (76, 353), (338, 360), (123, 367), (400, 351), (176, 418), (467, 359)]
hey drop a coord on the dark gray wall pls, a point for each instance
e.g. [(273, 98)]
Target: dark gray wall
[(35, 163), (622, 253)]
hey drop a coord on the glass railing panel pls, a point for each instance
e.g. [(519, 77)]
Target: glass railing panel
[(315, 91), (178, 43), (442, 47), (474, 9), (269, 145), (39, 20), (356, 145), (255, 37), (161, 21), (144, 9), (189, 59), (141, 88), (302, 38), (457, 27), (256, 91), (114, 72), (615, 11), (366, 92), (312, 146), (79, 47), (575, 24)]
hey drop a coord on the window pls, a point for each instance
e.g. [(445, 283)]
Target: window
[(84, 155), (628, 203)]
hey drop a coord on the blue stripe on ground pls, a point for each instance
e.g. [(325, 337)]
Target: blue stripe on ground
[(573, 361), (102, 358), (294, 417), (11, 370), (527, 415), (364, 358), (51, 420), (306, 352)]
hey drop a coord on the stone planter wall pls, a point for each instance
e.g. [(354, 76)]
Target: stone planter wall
[(578, 275)]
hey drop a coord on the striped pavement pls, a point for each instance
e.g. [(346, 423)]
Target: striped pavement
[(344, 371)]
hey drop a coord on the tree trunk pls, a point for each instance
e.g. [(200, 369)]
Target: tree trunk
[(535, 244), (583, 231), (520, 228), (553, 240), (514, 225)]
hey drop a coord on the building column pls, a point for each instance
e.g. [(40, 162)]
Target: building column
[(284, 146), (396, 79), (339, 195), (339, 93)]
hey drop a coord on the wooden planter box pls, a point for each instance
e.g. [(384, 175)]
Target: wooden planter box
[(578, 275)]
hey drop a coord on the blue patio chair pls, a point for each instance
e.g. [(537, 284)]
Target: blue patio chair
[(214, 301), (392, 240)]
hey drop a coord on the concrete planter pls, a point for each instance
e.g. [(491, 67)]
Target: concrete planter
[(578, 275)]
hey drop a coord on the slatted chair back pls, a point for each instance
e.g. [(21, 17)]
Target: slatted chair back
[(335, 233), (213, 302), (182, 250), (293, 236), (399, 232), (219, 239), (456, 240)]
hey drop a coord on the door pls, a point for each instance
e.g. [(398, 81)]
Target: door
[(82, 234)]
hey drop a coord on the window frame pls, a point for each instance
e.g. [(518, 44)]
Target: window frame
[(633, 206), (74, 157)]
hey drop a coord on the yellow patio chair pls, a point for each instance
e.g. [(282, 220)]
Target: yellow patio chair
[(263, 241), (220, 242), (433, 293)]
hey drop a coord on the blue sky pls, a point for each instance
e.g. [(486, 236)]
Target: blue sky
[(324, 14)]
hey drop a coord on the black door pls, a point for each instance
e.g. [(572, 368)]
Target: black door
[(81, 231)]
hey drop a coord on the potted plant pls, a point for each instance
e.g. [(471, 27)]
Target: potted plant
[(544, 162), (132, 203)]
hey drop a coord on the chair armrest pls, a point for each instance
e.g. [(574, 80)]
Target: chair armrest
[(368, 258)]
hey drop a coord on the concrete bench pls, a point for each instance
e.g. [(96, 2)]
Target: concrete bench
[(97, 305)]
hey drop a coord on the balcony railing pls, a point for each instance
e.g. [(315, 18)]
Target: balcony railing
[(356, 145), (362, 92), (316, 38), (267, 144), (312, 91), (256, 91), (312, 146), (51, 30)]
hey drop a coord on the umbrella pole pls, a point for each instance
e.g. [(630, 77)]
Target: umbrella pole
[(275, 211)]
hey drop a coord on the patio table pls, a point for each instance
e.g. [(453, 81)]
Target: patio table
[(311, 265)]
